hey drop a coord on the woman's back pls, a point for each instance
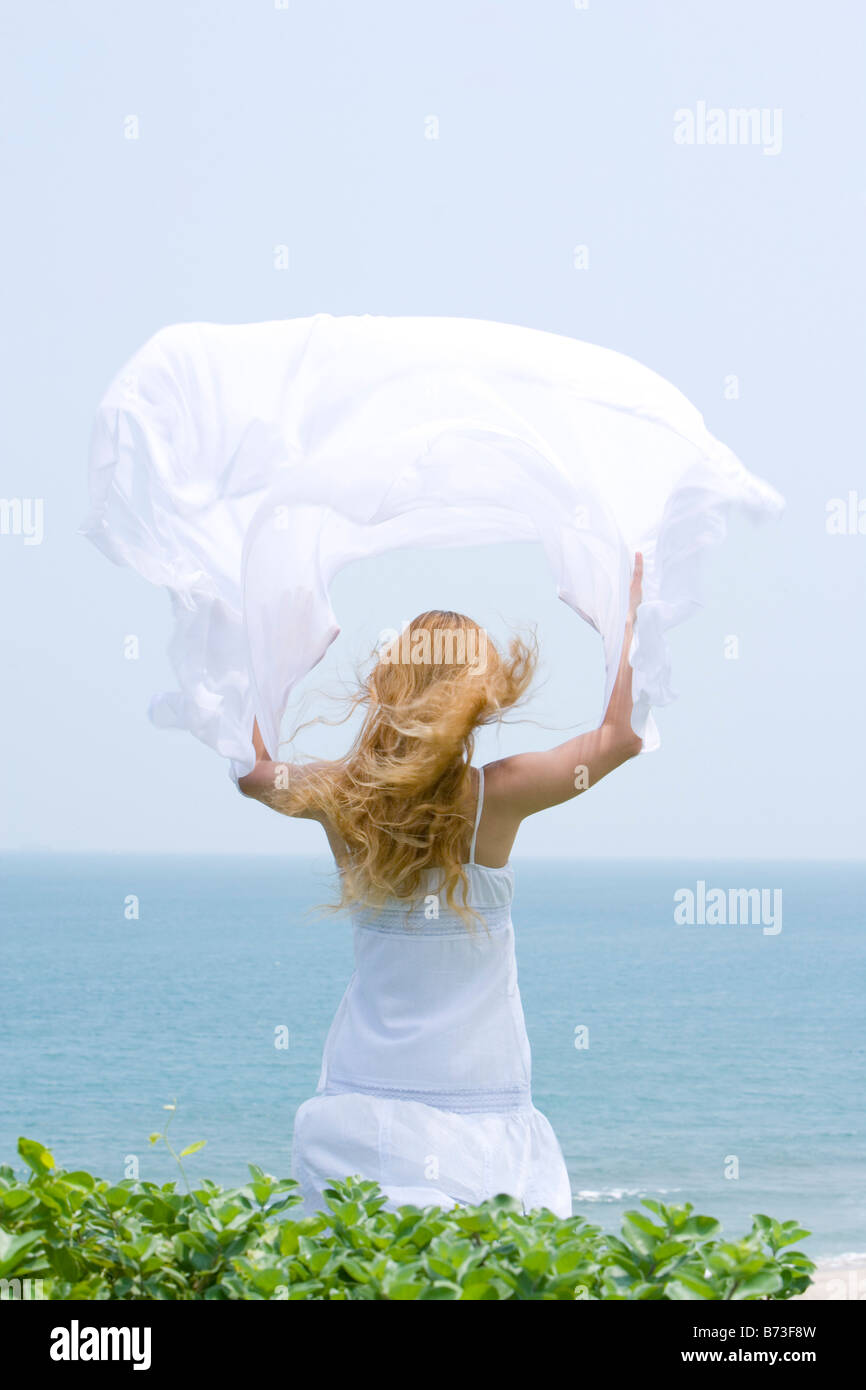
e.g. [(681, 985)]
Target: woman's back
[(425, 1080), (432, 1012)]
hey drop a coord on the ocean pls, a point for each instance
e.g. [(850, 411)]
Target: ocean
[(721, 1064)]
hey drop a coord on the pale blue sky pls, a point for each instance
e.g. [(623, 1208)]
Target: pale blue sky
[(305, 126)]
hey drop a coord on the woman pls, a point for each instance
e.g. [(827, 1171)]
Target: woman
[(425, 1080), (242, 466)]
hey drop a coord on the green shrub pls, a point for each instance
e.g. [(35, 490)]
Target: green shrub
[(89, 1239)]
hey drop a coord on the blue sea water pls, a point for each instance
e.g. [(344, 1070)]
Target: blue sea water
[(712, 1049)]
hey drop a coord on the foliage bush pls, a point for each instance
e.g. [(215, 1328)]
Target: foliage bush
[(89, 1239)]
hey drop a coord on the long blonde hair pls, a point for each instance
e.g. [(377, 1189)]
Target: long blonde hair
[(398, 797)]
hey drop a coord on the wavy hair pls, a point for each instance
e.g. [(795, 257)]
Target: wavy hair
[(398, 797)]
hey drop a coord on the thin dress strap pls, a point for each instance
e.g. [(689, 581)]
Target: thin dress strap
[(477, 814)]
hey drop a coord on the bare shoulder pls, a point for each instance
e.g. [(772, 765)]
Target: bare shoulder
[(507, 780), (501, 781), (508, 784)]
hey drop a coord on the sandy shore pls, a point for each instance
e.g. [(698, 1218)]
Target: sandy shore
[(839, 1279)]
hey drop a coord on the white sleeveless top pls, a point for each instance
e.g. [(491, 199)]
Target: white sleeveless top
[(433, 1012), (425, 1079)]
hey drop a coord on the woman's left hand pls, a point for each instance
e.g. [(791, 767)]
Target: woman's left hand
[(636, 590)]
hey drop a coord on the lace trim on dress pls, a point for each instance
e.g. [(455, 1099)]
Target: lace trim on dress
[(464, 1101), (393, 921)]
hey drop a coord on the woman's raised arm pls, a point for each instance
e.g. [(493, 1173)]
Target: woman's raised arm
[(529, 782), (269, 782)]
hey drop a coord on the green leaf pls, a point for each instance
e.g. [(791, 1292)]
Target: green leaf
[(702, 1227), (640, 1232), (35, 1155), (793, 1233), (18, 1197), (80, 1179), (13, 1249), (502, 1202), (537, 1261), (117, 1197), (669, 1250), (758, 1286), (192, 1148), (405, 1292), (689, 1286)]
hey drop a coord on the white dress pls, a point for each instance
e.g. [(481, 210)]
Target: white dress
[(241, 466), (425, 1085)]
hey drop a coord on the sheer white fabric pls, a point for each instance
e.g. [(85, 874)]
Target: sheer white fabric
[(241, 466)]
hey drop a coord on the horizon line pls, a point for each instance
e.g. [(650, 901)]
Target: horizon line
[(280, 855)]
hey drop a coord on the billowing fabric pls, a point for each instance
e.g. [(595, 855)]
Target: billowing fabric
[(241, 466), (425, 1084)]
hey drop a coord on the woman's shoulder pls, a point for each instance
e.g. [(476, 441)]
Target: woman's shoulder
[(497, 824)]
